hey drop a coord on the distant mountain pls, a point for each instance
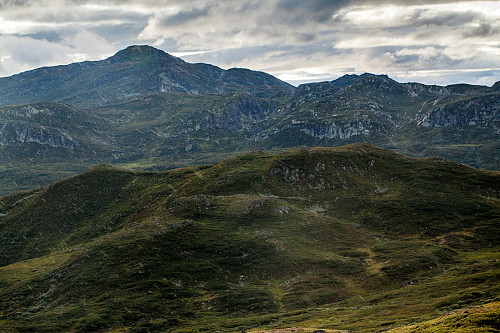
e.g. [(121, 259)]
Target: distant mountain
[(145, 109), (460, 122), (352, 238), (52, 124), (136, 70)]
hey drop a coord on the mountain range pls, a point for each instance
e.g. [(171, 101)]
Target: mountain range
[(208, 205), (143, 108)]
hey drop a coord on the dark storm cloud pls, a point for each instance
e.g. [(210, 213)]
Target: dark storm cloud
[(319, 10), (185, 16), (483, 30)]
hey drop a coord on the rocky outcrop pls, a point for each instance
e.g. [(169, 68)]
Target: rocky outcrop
[(334, 131), (41, 123), (13, 133), (481, 111), (242, 113), (49, 124)]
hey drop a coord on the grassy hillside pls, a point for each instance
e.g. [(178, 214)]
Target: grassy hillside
[(484, 318), (350, 238)]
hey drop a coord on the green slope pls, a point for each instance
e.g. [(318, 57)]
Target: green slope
[(353, 238), (156, 131), (484, 318)]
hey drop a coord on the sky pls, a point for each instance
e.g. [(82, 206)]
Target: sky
[(429, 41)]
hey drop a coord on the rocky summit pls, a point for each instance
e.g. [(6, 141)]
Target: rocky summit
[(136, 70)]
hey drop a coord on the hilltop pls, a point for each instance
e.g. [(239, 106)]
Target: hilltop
[(350, 238)]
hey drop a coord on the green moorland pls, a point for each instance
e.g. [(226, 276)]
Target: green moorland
[(351, 238)]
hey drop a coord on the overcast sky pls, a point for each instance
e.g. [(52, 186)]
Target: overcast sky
[(428, 41)]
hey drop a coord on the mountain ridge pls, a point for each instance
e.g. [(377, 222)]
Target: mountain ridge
[(146, 109), (145, 53), (132, 71)]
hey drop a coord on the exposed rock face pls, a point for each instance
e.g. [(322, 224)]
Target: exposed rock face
[(12, 133), (478, 111), (182, 224), (333, 131), (254, 205), (376, 108), (47, 124), (242, 113), (302, 180), (323, 130)]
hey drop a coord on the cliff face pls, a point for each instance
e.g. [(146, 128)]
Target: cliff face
[(240, 112), (12, 133), (53, 132), (372, 107), (481, 111)]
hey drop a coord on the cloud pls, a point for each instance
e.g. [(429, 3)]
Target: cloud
[(317, 10), (482, 30), (185, 16), (427, 17), (20, 53), (293, 39)]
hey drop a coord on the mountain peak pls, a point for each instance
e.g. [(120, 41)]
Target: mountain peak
[(345, 80), (141, 53), (375, 76), (349, 79), (496, 86)]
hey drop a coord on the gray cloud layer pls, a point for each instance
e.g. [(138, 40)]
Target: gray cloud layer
[(299, 41)]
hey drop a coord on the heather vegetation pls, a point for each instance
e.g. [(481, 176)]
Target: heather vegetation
[(351, 238)]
